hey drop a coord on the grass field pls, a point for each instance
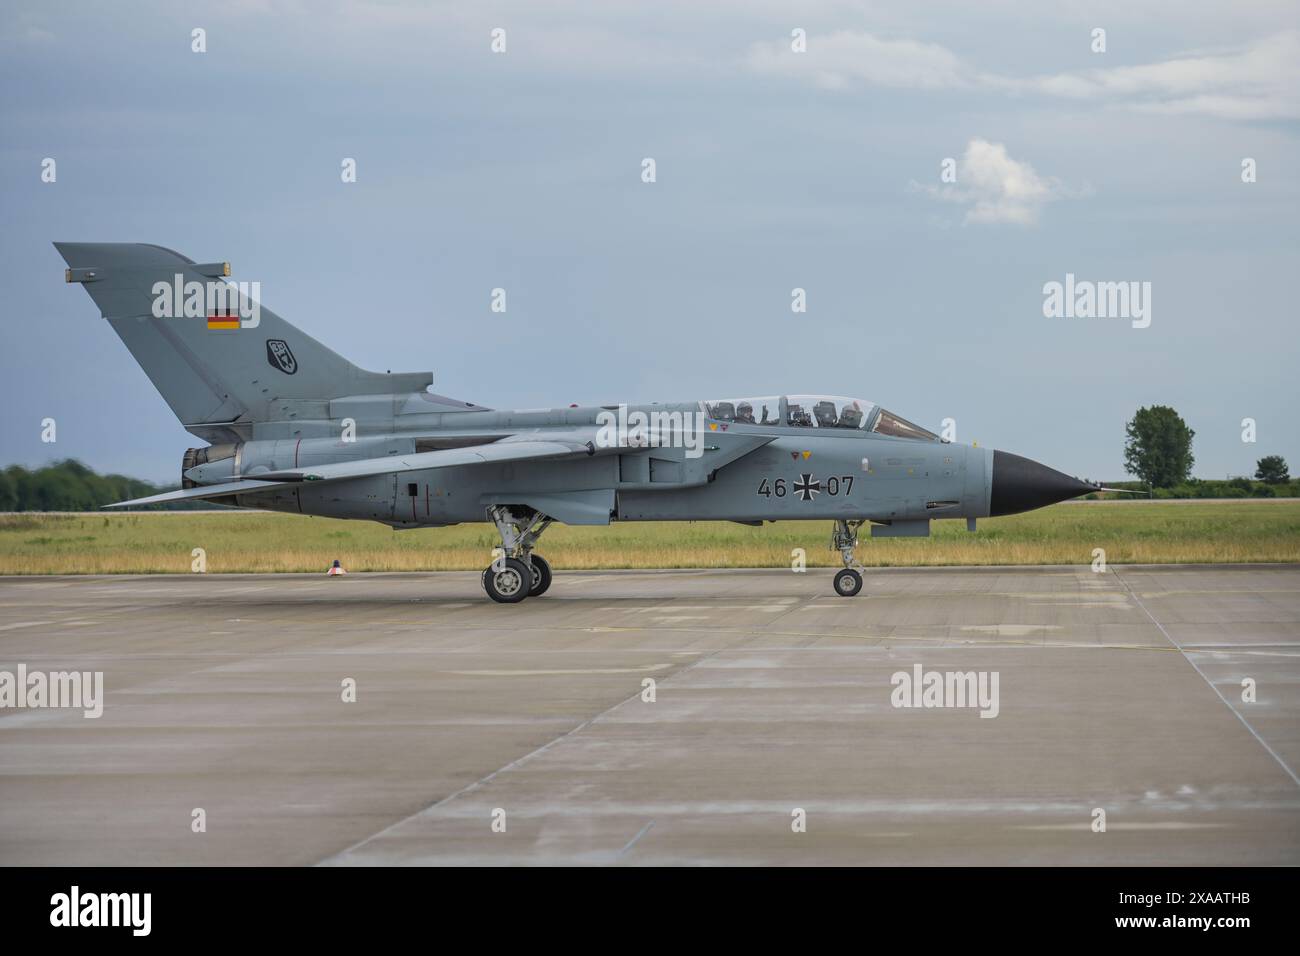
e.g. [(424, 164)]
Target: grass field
[(1130, 533)]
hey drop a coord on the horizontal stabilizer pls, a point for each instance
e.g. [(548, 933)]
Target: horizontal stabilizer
[(199, 493)]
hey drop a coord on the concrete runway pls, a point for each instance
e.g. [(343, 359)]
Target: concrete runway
[(1119, 691)]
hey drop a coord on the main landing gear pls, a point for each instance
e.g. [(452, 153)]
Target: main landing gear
[(844, 539), (518, 573)]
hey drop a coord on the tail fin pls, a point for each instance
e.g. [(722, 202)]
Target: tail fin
[(214, 372)]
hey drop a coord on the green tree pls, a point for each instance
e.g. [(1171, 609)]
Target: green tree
[(8, 491), (1159, 447), (1272, 469), (66, 486)]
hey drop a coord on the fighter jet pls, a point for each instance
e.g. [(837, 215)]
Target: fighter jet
[(290, 425)]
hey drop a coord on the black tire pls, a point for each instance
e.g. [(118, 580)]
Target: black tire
[(510, 584), (541, 575), (848, 583)]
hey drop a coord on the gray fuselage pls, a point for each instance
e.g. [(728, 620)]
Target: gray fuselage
[(742, 472)]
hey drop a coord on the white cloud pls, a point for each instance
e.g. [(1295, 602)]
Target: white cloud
[(1260, 81), (834, 61), (996, 188), (1257, 81)]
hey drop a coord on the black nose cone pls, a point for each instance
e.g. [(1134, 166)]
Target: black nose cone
[(1020, 484)]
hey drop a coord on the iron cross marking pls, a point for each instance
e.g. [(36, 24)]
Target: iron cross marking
[(806, 488)]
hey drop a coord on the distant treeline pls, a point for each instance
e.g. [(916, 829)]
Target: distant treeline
[(1212, 488), (70, 486)]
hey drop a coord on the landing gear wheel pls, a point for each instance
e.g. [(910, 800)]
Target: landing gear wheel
[(848, 583), (510, 584), (541, 575)]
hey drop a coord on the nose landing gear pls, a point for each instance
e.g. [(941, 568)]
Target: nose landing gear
[(848, 582), (844, 539), (518, 573)]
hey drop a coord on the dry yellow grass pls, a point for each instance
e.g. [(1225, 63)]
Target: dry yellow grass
[(1130, 533)]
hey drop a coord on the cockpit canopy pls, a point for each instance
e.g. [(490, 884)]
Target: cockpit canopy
[(815, 411)]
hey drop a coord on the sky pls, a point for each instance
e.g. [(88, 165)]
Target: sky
[(795, 146)]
